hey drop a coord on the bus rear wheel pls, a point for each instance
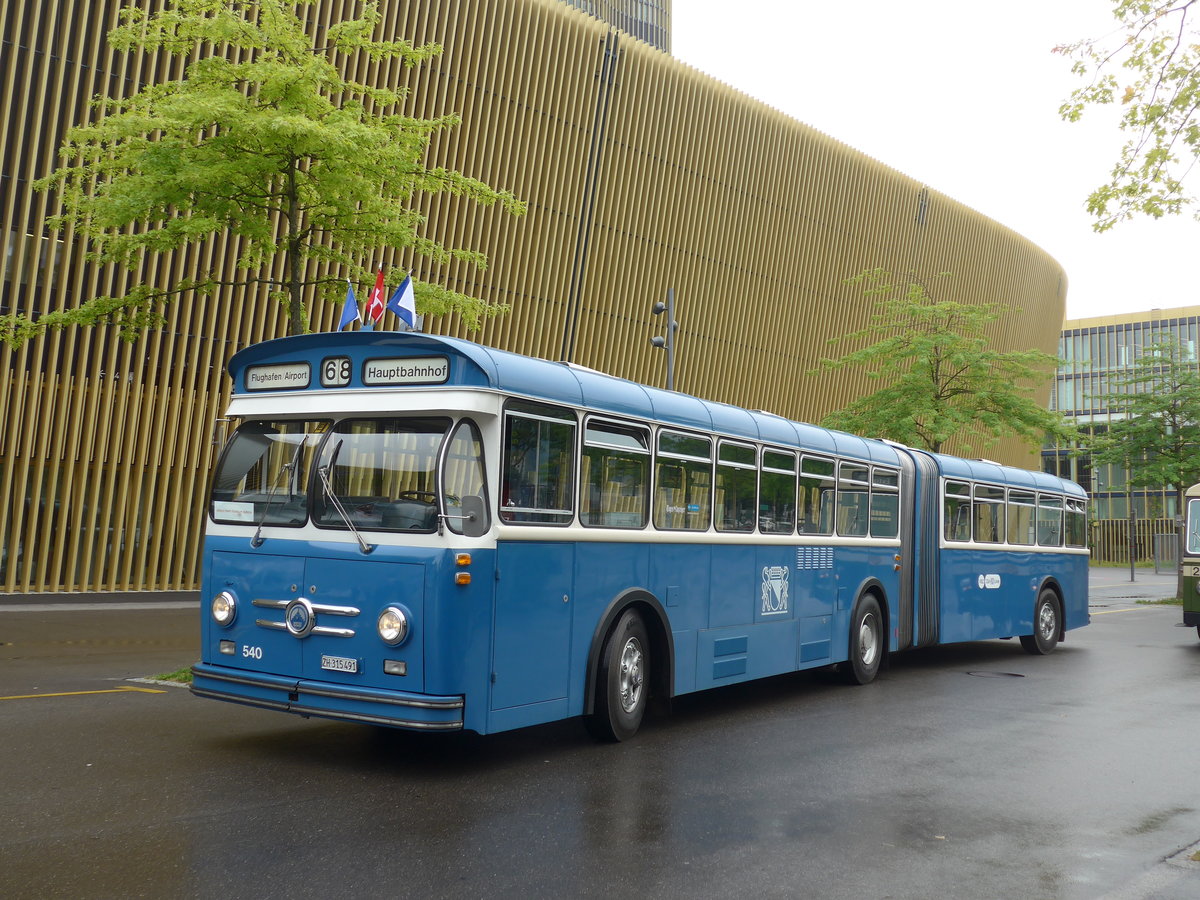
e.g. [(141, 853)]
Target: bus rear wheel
[(622, 681), (866, 641), (1046, 623)]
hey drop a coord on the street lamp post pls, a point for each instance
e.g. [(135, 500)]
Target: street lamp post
[(668, 342)]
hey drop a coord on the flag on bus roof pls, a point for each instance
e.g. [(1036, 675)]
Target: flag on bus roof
[(350, 311), (404, 304), (375, 304)]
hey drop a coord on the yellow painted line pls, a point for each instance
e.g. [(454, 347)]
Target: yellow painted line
[(122, 690)]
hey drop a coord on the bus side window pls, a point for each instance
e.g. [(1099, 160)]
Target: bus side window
[(957, 511), (1076, 523), (682, 482), (1049, 521), (539, 465), (777, 493), (615, 476), (737, 472), (885, 503), (1022, 515), (853, 493), (989, 514), (816, 496)]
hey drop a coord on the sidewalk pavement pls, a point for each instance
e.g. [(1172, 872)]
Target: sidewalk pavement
[(78, 600), (1112, 583)]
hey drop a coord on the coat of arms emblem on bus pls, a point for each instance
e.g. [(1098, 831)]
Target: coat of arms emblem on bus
[(774, 590)]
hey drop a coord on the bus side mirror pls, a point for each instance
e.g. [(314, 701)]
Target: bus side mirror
[(475, 517)]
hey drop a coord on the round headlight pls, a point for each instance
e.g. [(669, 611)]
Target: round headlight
[(393, 626), (224, 608)]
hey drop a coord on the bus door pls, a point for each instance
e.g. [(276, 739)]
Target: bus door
[(532, 643)]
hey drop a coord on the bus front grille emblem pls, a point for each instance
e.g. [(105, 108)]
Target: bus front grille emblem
[(299, 617)]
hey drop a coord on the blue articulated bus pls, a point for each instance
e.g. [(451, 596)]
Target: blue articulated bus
[(425, 533)]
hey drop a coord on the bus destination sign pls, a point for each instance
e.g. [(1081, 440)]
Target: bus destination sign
[(406, 370), (289, 376)]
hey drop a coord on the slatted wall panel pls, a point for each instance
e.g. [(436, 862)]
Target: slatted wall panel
[(640, 173), (647, 20)]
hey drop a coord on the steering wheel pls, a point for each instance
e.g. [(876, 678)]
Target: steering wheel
[(419, 496)]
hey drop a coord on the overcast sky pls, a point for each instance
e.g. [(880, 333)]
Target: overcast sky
[(964, 97)]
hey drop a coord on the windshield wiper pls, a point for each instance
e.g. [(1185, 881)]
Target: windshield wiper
[(336, 503)]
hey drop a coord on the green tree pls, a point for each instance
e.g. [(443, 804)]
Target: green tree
[(1151, 66), (940, 378), (264, 138), (1157, 437)]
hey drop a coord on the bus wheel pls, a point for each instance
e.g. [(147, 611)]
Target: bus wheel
[(622, 681), (1045, 626), (866, 641)]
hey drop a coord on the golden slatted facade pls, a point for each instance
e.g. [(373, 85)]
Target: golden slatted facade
[(641, 174)]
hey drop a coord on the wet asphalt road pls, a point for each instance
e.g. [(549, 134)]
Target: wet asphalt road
[(973, 771)]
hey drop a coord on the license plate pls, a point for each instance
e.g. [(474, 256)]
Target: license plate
[(339, 664)]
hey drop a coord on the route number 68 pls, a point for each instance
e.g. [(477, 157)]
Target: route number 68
[(335, 371)]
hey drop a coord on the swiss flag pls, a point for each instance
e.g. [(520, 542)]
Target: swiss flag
[(375, 304)]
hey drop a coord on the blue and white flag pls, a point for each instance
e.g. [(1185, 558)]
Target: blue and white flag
[(404, 304), (350, 311)]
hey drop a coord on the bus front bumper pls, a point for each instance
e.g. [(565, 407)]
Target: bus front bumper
[(1191, 618), (395, 709)]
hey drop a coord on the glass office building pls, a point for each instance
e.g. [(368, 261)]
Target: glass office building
[(1097, 355)]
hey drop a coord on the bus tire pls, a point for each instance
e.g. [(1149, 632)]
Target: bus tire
[(622, 681), (866, 641), (1047, 621)]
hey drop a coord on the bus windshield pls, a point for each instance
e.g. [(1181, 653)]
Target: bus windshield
[(382, 472), (263, 475), (374, 474), (1193, 526)]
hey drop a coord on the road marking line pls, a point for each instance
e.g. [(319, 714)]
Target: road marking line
[(121, 690), (1131, 609)]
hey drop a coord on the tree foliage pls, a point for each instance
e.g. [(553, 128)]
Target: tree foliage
[(1151, 67), (262, 137), (1157, 438), (940, 378)]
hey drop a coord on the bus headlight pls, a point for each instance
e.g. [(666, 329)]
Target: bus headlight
[(224, 608), (393, 626)]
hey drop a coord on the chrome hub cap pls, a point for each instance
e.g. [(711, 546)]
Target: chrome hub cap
[(1046, 624), (868, 641), (631, 675)]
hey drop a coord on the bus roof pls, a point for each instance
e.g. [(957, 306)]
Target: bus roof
[(474, 365), (986, 470)]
